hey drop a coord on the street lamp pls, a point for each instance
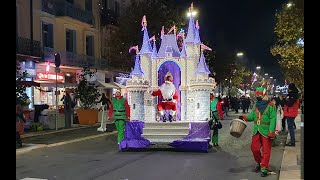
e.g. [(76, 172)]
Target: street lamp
[(258, 67), (193, 13), (239, 54), (266, 74), (289, 5)]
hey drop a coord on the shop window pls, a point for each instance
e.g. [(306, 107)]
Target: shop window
[(30, 94)]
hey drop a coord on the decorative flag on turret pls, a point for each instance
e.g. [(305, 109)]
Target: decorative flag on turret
[(153, 38), (204, 47), (197, 25), (162, 32), (144, 22), (134, 48), (196, 33), (173, 28)]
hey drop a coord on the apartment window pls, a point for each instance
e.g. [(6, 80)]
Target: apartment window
[(88, 5), (70, 40), (89, 45), (117, 8), (105, 4), (47, 35)]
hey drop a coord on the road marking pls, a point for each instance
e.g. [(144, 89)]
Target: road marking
[(77, 140), (38, 146), (33, 179)]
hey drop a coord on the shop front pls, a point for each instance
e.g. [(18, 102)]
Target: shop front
[(45, 98)]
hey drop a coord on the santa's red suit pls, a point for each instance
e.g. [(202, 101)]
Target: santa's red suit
[(169, 95)]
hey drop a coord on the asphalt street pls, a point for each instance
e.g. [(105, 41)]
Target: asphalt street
[(99, 159)]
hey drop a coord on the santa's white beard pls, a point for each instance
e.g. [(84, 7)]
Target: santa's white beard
[(167, 90)]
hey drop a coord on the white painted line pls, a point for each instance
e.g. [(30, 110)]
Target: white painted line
[(33, 179), (30, 148), (77, 140), (38, 146)]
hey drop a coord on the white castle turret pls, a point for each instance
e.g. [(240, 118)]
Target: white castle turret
[(136, 87), (201, 87)]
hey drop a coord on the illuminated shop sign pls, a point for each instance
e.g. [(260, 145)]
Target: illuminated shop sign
[(41, 76)]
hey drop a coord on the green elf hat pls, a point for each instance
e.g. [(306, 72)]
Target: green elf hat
[(260, 91)]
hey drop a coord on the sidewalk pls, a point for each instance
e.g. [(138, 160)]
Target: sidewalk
[(291, 161), (40, 133), (36, 140)]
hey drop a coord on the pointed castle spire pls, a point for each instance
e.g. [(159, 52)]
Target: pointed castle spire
[(137, 70), (154, 50), (202, 66), (191, 28), (183, 51), (197, 34), (146, 47)]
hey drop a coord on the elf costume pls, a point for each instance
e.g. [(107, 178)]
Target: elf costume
[(120, 111), (216, 113), (264, 116)]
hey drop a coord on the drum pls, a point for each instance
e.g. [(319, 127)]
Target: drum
[(237, 126)]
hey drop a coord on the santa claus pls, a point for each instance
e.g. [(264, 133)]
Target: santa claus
[(169, 96)]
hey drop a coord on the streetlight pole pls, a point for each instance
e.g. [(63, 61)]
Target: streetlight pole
[(57, 109), (57, 70)]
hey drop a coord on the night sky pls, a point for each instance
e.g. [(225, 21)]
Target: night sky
[(240, 25)]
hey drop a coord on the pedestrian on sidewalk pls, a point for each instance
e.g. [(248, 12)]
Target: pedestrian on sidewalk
[(236, 104), (283, 119), (264, 115), (226, 105), (67, 109), (120, 112), (105, 103), (216, 114), (290, 111)]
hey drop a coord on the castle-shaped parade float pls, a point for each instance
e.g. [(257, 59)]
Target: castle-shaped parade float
[(189, 129)]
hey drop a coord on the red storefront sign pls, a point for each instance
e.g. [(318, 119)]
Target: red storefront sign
[(42, 76)]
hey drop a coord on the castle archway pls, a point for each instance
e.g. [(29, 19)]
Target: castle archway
[(172, 67)]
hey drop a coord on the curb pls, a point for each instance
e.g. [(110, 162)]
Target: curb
[(39, 146), (53, 132), (283, 174)]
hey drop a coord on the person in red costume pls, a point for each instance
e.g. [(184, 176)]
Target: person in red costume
[(169, 95)]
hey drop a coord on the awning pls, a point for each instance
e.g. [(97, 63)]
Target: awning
[(59, 84), (120, 85), (110, 85), (28, 83)]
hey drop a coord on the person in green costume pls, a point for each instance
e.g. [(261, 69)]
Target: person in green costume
[(120, 112), (216, 113), (264, 116)]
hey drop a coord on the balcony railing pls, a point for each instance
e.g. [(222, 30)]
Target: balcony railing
[(72, 59), (25, 46), (63, 8)]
